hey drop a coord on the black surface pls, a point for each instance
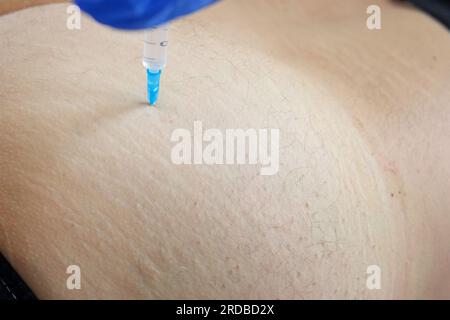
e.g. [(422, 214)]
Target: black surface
[(439, 9), (12, 286)]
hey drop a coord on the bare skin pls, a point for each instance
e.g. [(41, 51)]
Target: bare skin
[(9, 6), (86, 175)]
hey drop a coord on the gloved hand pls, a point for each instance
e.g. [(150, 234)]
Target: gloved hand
[(139, 14)]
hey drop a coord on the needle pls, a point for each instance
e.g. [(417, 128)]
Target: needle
[(153, 86)]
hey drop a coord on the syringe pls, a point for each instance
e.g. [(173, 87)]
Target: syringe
[(155, 58)]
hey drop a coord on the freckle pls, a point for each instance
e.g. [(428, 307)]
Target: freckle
[(434, 58), (307, 205), (392, 195)]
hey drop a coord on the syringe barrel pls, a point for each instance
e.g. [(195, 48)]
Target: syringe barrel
[(156, 41)]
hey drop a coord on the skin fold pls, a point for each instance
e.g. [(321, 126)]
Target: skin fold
[(86, 176)]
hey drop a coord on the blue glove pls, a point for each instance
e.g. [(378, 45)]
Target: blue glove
[(139, 14)]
